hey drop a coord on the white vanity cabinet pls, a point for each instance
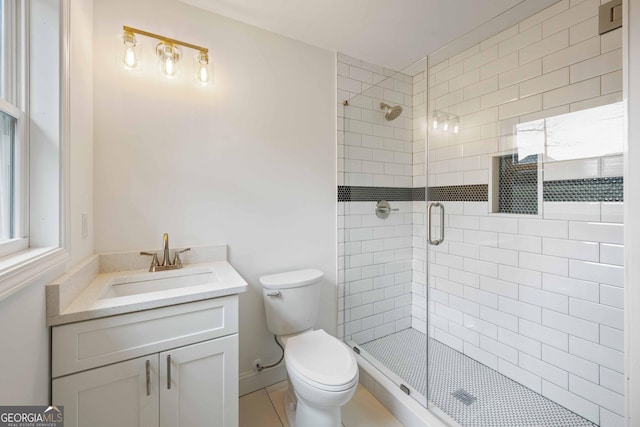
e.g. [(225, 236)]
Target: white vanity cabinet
[(171, 366)]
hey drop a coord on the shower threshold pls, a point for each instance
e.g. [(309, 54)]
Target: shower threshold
[(469, 392)]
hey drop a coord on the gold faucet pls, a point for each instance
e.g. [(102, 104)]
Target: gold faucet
[(165, 250), (166, 263)]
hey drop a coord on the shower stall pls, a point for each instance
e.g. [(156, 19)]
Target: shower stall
[(480, 223)]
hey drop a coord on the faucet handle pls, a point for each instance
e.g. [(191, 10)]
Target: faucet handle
[(177, 261), (154, 260)]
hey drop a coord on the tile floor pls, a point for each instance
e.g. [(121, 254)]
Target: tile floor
[(265, 408), (494, 400)]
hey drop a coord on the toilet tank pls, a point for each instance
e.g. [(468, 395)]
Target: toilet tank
[(291, 300)]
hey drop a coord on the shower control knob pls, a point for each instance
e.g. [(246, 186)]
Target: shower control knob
[(383, 209)]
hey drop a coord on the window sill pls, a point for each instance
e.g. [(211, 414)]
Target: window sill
[(13, 246), (20, 269)]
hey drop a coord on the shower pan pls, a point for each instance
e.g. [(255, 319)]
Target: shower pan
[(491, 291)]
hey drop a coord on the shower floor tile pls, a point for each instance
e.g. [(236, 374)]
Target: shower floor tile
[(499, 401)]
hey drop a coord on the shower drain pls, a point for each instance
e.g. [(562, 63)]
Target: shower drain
[(464, 396)]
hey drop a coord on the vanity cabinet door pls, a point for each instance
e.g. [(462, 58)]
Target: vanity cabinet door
[(121, 395), (199, 384)]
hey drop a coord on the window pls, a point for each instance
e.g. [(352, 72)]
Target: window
[(594, 132), (13, 142), (7, 177), (33, 120)]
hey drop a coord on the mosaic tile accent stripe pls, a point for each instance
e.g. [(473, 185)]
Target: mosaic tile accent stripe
[(459, 193), (418, 194), (348, 193), (584, 190), (570, 190)]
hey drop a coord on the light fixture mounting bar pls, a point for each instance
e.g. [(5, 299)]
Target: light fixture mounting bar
[(165, 39)]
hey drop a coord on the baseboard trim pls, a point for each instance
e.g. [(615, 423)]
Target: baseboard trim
[(251, 381)]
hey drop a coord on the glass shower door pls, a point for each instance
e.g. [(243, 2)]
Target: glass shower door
[(525, 292), (381, 217)]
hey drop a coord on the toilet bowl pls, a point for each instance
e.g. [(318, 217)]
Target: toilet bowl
[(324, 376), (322, 370)]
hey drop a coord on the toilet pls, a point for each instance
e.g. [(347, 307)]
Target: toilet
[(323, 371)]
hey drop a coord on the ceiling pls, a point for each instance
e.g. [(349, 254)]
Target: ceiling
[(391, 33)]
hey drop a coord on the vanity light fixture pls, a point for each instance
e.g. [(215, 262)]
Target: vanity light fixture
[(447, 122), (169, 53)]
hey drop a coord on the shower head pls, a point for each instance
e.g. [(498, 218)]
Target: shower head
[(390, 113)]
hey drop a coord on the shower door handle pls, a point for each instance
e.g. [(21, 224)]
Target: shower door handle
[(435, 242)]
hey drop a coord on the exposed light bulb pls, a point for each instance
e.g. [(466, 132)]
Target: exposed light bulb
[(202, 68), (445, 127), (456, 128), (169, 56), (435, 123), (169, 67), (130, 58), (204, 74)]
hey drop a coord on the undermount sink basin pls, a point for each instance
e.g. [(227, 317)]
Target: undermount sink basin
[(158, 281)]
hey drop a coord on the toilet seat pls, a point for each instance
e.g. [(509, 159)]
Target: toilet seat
[(321, 361)]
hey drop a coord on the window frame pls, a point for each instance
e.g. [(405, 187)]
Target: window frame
[(30, 257), (14, 83), (20, 240)]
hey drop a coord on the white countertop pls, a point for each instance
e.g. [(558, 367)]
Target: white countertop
[(86, 291)]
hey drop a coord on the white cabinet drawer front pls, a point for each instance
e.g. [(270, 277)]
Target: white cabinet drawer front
[(85, 345)]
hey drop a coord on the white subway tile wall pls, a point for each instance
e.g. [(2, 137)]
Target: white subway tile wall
[(537, 298), (376, 263), (381, 262), (377, 152)]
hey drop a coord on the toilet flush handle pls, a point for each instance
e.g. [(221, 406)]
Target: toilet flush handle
[(273, 293)]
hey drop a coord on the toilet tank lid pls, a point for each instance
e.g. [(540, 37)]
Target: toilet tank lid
[(291, 279)]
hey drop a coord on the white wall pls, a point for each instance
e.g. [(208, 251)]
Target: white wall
[(81, 128), (250, 163), (24, 361)]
